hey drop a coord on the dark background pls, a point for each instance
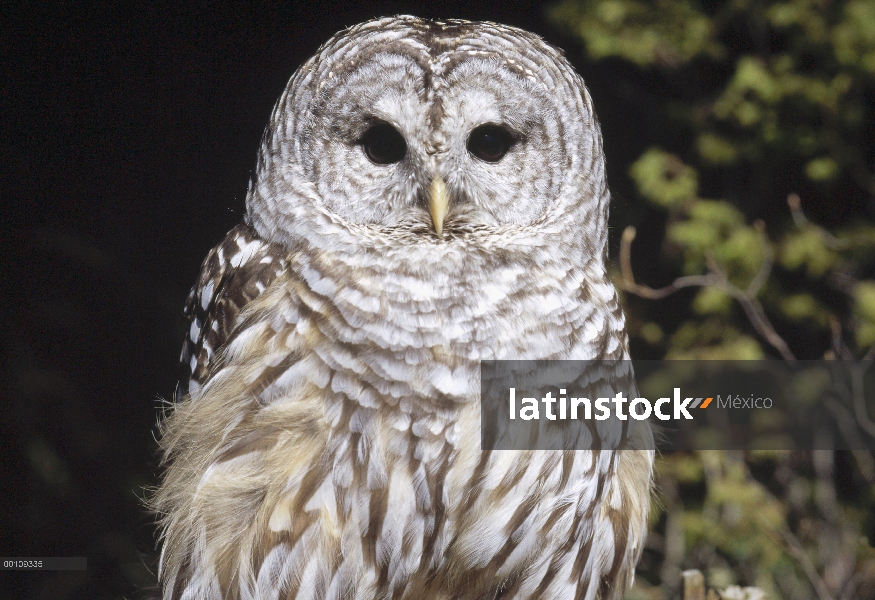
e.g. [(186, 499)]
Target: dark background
[(129, 133)]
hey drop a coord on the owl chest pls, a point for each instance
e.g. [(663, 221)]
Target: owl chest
[(374, 510), (377, 499)]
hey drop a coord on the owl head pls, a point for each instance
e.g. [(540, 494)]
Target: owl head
[(430, 136)]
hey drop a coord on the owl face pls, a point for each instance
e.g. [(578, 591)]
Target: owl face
[(434, 131), (386, 128)]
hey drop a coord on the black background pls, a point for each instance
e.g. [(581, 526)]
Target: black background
[(129, 132)]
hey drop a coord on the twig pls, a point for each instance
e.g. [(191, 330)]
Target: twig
[(846, 421), (716, 277), (802, 222), (795, 204), (628, 281), (838, 344), (761, 323), (796, 550), (857, 373), (794, 546), (759, 280)]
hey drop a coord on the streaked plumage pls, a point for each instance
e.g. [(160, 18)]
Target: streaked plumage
[(233, 273), (329, 446)]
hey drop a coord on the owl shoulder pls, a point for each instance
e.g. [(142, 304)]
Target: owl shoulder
[(234, 273)]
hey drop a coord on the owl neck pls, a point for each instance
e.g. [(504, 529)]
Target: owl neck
[(462, 300)]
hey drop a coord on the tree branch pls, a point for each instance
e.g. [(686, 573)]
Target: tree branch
[(716, 277)]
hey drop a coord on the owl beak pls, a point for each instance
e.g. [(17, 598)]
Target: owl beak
[(438, 200)]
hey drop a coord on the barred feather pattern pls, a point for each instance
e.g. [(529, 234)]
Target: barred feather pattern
[(233, 273), (330, 448)]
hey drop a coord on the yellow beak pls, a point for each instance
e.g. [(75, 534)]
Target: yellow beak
[(438, 200)]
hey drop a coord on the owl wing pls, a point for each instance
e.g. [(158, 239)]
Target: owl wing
[(233, 274)]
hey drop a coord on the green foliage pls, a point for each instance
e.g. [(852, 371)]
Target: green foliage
[(777, 107), (854, 38), (663, 179), (639, 31), (793, 99), (800, 307), (806, 99), (716, 228), (713, 339), (864, 309), (807, 248), (712, 301), (715, 149)]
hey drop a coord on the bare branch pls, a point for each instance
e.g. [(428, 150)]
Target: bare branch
[(860, 412), (795, 204), (846, 421), (716, 277), (802, 222), (757, 316), (795, 548), (628, 281), (759, 280), (838, 343)]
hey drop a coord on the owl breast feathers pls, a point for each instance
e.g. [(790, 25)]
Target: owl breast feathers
[(427, 195)]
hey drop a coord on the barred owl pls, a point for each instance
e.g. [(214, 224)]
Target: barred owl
[(427, 195)]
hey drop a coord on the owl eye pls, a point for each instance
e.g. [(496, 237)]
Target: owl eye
[(383, 144), (490, 142)]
